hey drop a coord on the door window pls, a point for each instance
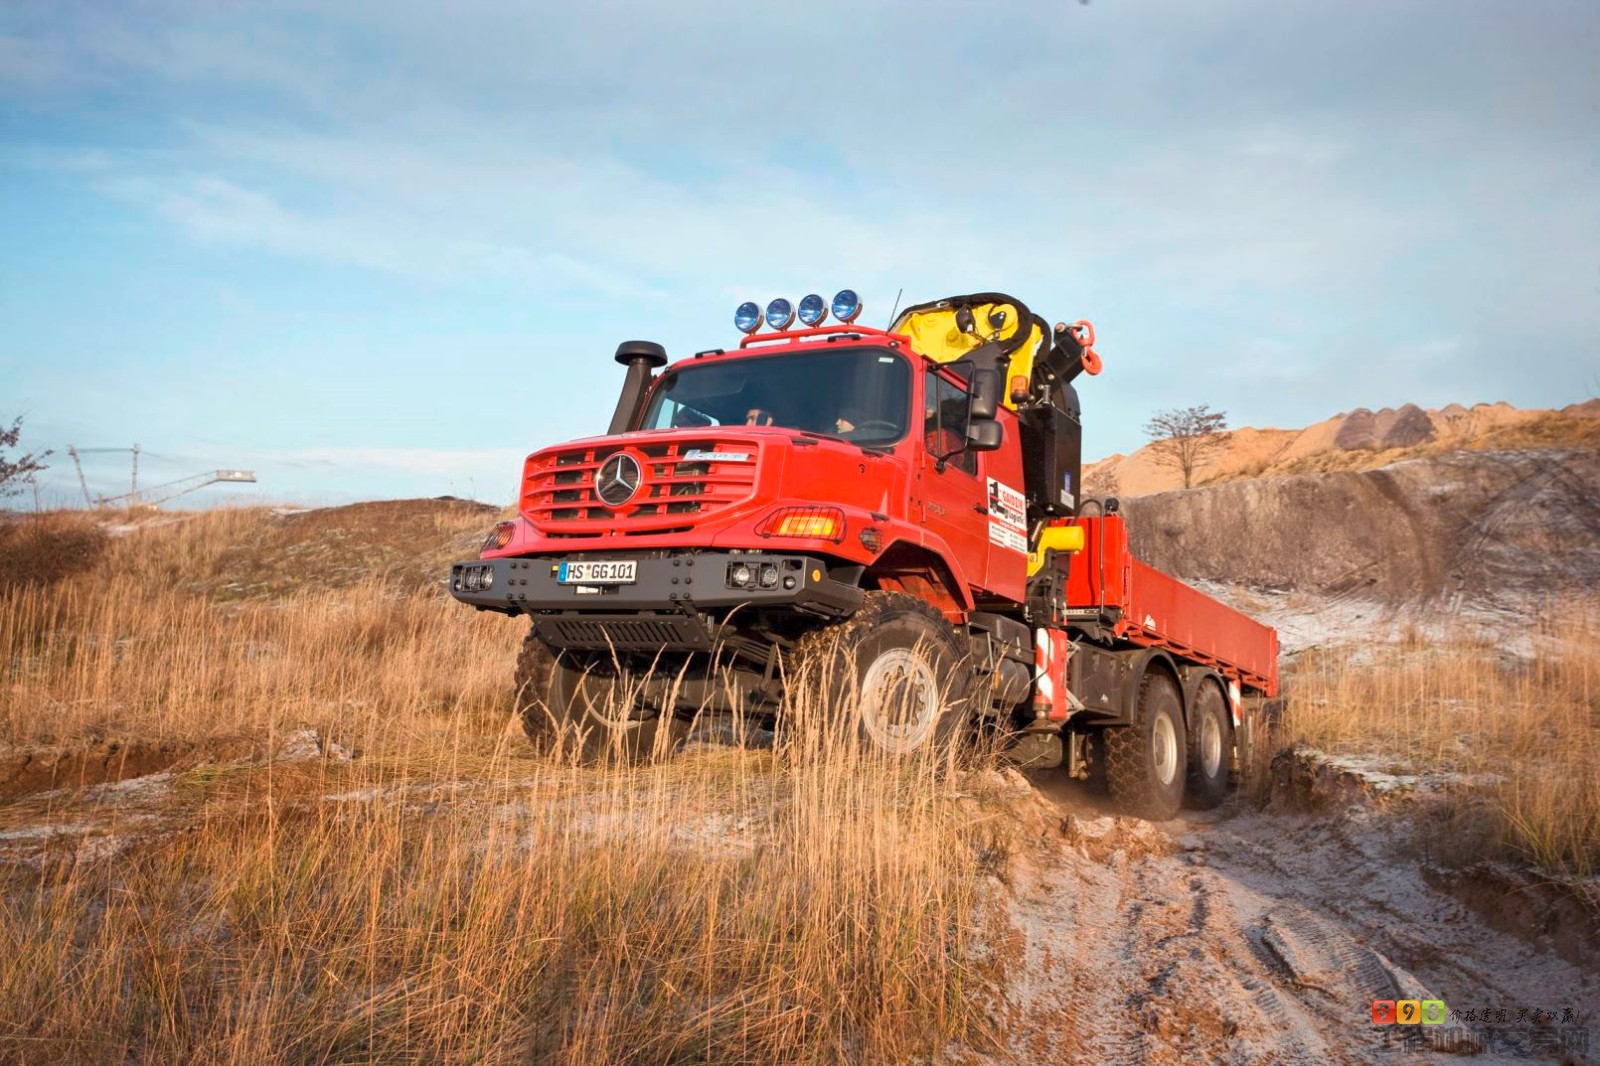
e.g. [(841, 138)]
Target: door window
[(944, 424)]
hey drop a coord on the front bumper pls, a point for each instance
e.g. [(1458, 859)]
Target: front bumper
[(663, 606)]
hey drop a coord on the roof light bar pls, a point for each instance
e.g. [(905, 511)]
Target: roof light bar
[(780, 314)]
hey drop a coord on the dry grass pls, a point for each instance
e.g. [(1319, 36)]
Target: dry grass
[(449, 895), (40, 549), (1522, 734)]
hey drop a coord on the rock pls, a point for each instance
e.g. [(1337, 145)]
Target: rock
[(302, 745)]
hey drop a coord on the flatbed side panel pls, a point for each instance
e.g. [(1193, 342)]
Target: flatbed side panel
[(1163, 610), (1156, 609)]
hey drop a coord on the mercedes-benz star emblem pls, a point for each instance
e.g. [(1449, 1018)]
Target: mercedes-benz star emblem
[(618, 479)]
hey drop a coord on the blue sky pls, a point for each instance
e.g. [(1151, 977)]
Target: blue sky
[(377, 250)]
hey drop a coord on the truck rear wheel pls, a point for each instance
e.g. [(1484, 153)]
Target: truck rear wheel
[(1210, 748), (898, 664), (1145, 761), (588, 699)]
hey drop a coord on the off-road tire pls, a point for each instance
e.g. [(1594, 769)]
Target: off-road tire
[(552, 708), (914, 648), (1210, 747), (1137, 754)]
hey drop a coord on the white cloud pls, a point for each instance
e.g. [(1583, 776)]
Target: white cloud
[(1238, 193)]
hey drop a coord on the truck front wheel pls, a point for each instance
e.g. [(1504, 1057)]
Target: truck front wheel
[(589, 699), (1145, 761), (897, 665)]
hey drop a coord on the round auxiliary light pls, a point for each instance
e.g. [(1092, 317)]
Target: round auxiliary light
[(813, 310), (846, 305), (748, 317), (780, 313)]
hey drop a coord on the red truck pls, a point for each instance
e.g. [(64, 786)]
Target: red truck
[(898, 511)]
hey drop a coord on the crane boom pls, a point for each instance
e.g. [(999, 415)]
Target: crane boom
[(159, 494)]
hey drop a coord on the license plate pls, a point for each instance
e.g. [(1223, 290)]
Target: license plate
[(599, 572)]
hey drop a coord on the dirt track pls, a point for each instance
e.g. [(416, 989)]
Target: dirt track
[(1254, 938)]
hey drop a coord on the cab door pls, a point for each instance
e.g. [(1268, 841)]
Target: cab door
[(954, 499)]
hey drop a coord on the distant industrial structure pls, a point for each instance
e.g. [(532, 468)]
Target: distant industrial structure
[(155, 495)]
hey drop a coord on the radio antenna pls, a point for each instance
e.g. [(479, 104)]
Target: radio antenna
[(890, 324)]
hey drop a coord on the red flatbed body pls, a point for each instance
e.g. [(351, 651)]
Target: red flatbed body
[(1157, 610)]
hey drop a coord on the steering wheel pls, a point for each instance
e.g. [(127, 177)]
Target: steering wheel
[(870, 425)]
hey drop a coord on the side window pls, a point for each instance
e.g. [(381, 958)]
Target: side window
[(944, 422)]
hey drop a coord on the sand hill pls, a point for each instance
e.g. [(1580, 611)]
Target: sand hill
[(1503, 528), (1358, 440)]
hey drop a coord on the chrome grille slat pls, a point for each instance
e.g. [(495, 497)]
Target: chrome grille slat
[(559, 488)]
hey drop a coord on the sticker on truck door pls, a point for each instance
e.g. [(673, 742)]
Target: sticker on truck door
[(1008, 517)]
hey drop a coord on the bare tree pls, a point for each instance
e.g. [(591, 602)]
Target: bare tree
[(14, 473), (1184, 438)]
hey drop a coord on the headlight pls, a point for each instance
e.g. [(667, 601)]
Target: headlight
[(475, 578), (814, 523)]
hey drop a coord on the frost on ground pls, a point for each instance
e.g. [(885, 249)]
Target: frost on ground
[(1259, 937)]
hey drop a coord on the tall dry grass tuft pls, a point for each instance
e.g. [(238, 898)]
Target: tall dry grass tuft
[(449, 895), (1521, 732), (728, 907)]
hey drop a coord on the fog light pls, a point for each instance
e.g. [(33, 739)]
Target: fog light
[(769, 576), (789, 582), (739, 575)]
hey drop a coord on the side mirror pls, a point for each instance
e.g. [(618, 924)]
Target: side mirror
[(983, 435), (984, 390)]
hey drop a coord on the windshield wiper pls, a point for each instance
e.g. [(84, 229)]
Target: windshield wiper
[(877, 449)]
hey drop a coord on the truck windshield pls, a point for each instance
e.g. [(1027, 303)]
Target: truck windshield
[(859, 394)]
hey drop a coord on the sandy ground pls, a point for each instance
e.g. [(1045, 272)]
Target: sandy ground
[(1261, 937)]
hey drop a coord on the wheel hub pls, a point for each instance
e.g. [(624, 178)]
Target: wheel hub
[(1164, 749), (605, 696), (1210, 745), (900, 700)]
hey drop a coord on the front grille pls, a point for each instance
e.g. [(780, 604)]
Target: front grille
[(559, 497), (626, 634)]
